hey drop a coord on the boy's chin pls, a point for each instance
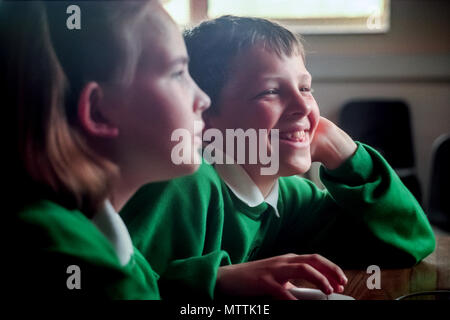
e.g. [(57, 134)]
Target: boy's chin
[(295, 168)]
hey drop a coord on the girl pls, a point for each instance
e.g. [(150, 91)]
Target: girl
[(91, 112)]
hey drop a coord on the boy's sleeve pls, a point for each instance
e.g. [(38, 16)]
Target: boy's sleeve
[(366, 215), (178, 227)]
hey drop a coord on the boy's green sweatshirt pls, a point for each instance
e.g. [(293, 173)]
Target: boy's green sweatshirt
[(49, 238), (188, 227)]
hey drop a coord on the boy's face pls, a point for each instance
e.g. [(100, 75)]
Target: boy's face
[(162, 98), (265, 91)]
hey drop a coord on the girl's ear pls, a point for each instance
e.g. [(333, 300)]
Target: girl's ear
[(90, 115)]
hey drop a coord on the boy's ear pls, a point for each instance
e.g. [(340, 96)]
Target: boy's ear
[(89, 112)]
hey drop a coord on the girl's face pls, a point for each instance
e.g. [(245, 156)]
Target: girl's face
[(266, 91), (161, 99)]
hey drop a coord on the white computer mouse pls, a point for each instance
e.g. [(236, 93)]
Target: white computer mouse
[(314, 294)]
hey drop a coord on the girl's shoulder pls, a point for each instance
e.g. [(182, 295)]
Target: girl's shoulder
[(47, 226), (53, 239), (46, 212)]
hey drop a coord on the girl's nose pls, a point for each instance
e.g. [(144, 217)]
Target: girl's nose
[(202, 100)]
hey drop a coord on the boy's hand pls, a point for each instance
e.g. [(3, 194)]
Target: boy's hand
[(271, 276), (331, 146)]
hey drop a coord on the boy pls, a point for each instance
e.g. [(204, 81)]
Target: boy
[(224, 230)]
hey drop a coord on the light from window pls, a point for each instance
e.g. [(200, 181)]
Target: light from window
[(304, 16), (179, 10)]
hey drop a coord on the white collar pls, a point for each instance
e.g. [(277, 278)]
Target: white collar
[(243, 187), (109, 222)]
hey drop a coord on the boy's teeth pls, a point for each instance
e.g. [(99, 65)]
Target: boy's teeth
[(299, 134), (294, 136)]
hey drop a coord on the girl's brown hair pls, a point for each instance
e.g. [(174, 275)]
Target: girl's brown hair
[(43, 67)]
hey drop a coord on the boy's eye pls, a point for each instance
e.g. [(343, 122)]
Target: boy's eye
[(268, 92), (306, 90), (271, 91)]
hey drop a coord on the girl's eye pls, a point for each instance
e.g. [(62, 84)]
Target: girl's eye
[(178, 74)]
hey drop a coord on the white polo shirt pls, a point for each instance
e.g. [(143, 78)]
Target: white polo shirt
[(109, 222), (243, 187)]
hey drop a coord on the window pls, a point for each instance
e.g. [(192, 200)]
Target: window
[(179, 10), (303, 16)]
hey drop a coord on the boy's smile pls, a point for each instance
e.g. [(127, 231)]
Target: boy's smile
[(268, 91), (297, 135)]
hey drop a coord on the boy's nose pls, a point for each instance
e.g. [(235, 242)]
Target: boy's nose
[(299, 106)]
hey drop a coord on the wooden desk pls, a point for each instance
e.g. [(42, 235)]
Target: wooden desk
[(433, 273)]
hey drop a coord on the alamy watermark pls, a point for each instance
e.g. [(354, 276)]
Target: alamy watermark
[(74, 280), (73, 22), (262, 145), (374, 281)]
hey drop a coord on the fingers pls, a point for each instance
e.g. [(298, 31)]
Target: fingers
[(334, 274), (271, 276), (307, 272), (279, 291), (331, 145), (288, 285)]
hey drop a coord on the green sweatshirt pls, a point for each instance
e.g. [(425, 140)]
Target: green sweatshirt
[(49, 238), (190, 226)]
